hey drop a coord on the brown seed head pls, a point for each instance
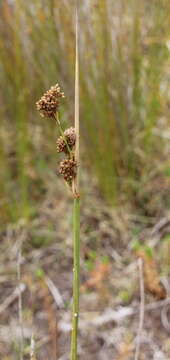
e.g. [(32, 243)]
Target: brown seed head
[(50, 101), (69, 138), (68, 170)]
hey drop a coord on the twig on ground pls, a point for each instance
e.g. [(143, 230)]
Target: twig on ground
[(160, 225), (164, 317), (55, 292), (11, 298), (97, 319), (32, 350), (155, 305), (142, 307)]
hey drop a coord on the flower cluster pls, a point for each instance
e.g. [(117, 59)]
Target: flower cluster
[(67, 141), (48, 106), (68, 170), (66, 144), (49, 103)]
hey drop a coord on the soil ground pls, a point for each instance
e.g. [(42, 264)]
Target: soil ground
[(41, 250)]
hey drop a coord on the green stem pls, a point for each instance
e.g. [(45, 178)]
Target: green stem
[(76, 277), (76, 212)]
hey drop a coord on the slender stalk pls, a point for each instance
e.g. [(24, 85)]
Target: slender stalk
[(76, 215), (76, 272), (32, 349), (77, 155)]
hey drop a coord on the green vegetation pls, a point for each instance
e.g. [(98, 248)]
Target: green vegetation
[(124, 59)]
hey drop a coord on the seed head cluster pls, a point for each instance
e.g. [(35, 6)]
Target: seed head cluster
[(48, 106), (67, 141), (49, 103), (68, 169)]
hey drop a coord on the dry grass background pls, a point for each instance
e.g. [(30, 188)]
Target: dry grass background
[(109, 306), (124, 77), (124, 62)]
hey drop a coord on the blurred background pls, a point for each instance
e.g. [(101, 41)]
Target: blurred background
[(125, 149), (124, 79)]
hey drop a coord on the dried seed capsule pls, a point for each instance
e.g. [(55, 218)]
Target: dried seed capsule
[(69, 138), (50, 101), (68, 169)]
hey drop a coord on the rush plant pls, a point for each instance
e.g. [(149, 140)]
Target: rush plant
[(68, 143)]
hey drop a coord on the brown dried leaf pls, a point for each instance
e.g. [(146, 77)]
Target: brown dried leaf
[(97, 277), (125, 351), (151, 276)]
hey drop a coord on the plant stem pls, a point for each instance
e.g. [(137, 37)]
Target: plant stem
[(76, 213), (76, 277), (77, 147)]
